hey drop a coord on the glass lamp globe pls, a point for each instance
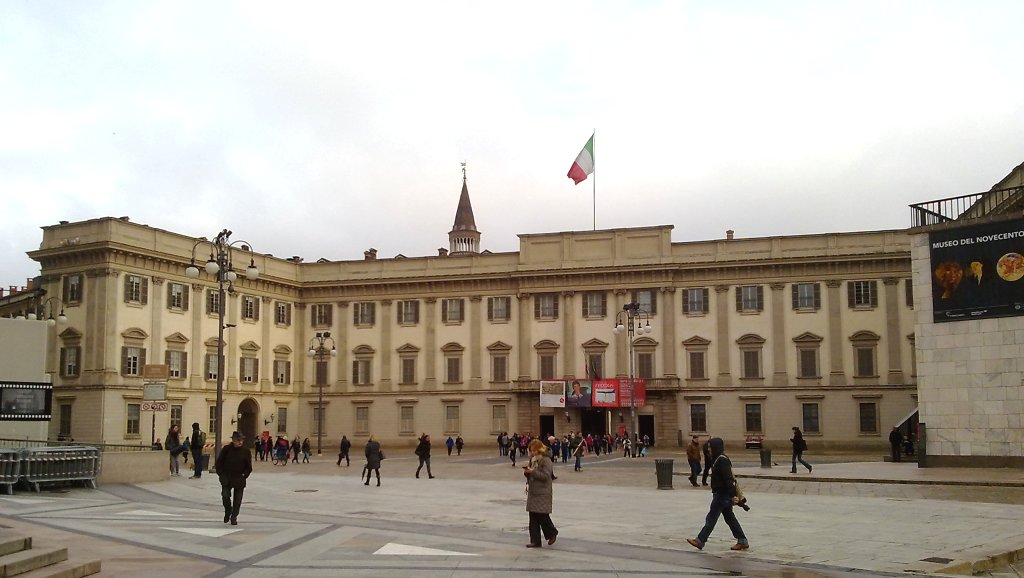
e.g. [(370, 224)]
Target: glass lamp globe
[(251, 272), (192, 271), (231, 276), (311, 352), (212, 267)]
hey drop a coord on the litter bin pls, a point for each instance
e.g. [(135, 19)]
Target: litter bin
[(766, 457), (664, 470)]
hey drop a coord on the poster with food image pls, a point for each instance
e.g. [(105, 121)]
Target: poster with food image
[(978, 271)]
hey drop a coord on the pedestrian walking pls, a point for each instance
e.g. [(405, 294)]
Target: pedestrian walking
[(449, 443), (234, 464), (895, 441), (343, 450), (374, 455), (196, 445), (172, 443), (423, 452), (296, 447), (512, 454), (539, 496), (799, 447), (578, 451), (723, 496), (305, 451), (693, 458), (459, 443), (625, 447)]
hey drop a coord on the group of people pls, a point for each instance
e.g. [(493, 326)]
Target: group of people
[(192, 445), (267, 448)]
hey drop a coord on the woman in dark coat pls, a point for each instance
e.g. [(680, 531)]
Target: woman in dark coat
[(799, 447), (373, 457), (539, 495), (423, 451), (172, 443)]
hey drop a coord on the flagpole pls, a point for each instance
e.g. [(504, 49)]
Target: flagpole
[(594, 194)]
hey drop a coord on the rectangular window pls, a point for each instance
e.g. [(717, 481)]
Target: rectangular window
[(364, 313), (212, 425), (177, 296), (177, 364), (249, 369), (361, 372), (451, 311), (282, 420), (136, 289), (72, 289), (282, 371), (64, 430), (595, 365), (499, 368), (132, 360), (752, 418), (750, 298), (322, 315), (806, 296), (408, 370), (547, 366), (211, 366), (645, 365), (697, 369), (406, 425), (695, 301), (648, 300), (810, 421), (698, 417), (320, 373), (69, 364), (751, 363), (498, 308), (868, 417), (453, 370), (452, 421), (808, 362), (212, 301), (282, 313), (862, 294), (499, 418), (545, 306), (133, 419), (408, 312), (595, 304), (864, 362), (363, 420), (176, 411), (250, 308)]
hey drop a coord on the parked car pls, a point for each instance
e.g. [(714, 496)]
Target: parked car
[(754, 442)]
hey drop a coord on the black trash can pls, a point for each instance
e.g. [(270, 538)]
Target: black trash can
[(766, 457), (664, 470)]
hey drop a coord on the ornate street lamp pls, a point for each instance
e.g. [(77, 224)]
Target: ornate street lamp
[(318, 351), (632, 320), (45, 309), (220, 265)]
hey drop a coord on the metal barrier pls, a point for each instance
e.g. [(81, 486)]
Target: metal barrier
[(10, 469), (62, 464), (9, 443)]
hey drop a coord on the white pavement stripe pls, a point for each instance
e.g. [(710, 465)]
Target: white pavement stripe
[(25, 501), (208, 532), (393, 549), (148, 513)]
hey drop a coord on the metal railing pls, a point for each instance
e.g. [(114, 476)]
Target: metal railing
[(971, 206), (60, 464), (14, 443), (10, 469)]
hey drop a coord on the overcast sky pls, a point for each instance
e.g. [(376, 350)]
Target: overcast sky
[(324, 129)]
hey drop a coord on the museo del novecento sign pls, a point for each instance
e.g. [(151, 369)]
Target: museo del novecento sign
[(976, 271)]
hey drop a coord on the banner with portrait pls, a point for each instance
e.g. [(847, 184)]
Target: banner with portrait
[(578, 393), (552, 394)]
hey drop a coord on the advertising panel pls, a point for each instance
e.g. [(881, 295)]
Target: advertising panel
[(976, 271), (552, 394), (637, 393), (25, 401), (579, 394), (606, 392)]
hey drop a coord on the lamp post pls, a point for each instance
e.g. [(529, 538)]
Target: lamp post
[(318, 351), (220, 265), (44, 308), (632, 319)]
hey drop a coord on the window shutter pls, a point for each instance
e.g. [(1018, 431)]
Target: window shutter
[(355, 371), (704, 300), (796, 295), (739, 298), (127, 287), (312, 315), (555, 300), (288, 313), (170, 295), (355, 313), (686, 300), (65, 293), (124, 360), (444, 310), (144, 298), (209, 301), (490, 308), (462, 309), (256, 308), (401, 312), (909, 290), (167, 357), (874, 293), (850, 302), (416, 311), (817, 295), (536, 306), (654, 302), (142, 359), (330, 314), (373, 313), (241, 369), (604, 304), (63, 361), (760, 297), (255, 370), (185, 290), (287, 372), (586, 305), (184, 364)]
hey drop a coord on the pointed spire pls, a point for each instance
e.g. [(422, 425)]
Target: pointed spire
[(464, 236)]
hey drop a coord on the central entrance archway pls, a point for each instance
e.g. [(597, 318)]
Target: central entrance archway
[(248, 416)]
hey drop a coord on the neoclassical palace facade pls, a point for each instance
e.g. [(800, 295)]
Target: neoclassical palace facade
[(750, 336)]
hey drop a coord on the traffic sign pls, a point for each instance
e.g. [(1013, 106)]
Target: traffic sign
[(154, 406)]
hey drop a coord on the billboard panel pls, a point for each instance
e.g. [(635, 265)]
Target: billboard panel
[(578, 394), (25, 401), (606, 392), (552, 394)]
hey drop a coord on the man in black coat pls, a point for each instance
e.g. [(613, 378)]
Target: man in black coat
[(196, 443), (723, 497), (343, 451), (895, 441), (234, 464)]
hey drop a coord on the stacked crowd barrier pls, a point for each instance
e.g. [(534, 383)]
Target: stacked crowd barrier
[(10, 469), (59, 464)]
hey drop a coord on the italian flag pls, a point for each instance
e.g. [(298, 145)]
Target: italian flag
[(584, 164)]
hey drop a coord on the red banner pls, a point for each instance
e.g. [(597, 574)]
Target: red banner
[(635, 396), (606, 393)]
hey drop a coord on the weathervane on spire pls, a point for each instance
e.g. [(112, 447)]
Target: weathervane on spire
[(463, 163)]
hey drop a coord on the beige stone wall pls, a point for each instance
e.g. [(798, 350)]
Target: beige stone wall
[(23, 358)]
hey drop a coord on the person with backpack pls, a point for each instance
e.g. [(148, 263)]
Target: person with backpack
[(799, 447), (196, 445), (723, 497)]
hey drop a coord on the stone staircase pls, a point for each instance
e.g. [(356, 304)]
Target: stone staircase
[(19, 558)]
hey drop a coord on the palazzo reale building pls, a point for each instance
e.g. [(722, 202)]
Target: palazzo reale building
[(750, 336)]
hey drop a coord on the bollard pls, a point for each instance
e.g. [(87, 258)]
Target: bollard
[(663, 469), (766, 457)]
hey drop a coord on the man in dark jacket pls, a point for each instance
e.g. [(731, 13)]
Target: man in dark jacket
[(895, 441), (423, 451), (196, 443), (343, 451), (723, 497), (706, 450), (234, 464)]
